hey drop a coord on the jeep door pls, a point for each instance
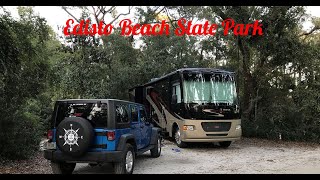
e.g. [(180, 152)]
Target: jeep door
[(145, 127), (135, 125)]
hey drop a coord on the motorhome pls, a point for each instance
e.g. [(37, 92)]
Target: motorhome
[(193, 105)]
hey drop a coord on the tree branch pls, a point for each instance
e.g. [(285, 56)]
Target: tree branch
[(95, 14), (110, 9), (219, 12), (171, 21), (104, 12), (66, 10), (98, 11), (315, 28), (122, 14), (159, 11), (152, 12)]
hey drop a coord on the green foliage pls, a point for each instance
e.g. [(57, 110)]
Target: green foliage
[(24, 69), (269, 68), (20, 135), (294, 116)]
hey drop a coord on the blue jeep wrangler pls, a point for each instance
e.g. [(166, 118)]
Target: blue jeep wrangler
[(95, 131)]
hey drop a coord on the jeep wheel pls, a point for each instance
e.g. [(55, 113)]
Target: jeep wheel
[(225, 144), (127, 162), (177, 137), (156, 151), (62, 167)]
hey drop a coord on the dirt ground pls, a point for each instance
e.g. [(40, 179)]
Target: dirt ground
[(246, 156)]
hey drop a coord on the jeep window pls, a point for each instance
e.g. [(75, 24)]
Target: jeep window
[(122, 114), (134, 113), (96, 114), (143, 115), (99, 116)]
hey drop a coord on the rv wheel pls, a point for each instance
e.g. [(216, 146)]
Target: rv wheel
[(156, 151), (225, 144), (177, 137)]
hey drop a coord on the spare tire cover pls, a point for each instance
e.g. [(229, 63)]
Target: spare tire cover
[(74, 136)]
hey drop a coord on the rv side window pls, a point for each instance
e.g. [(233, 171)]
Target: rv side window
[(134, 113), (122, 114), (176, 91)]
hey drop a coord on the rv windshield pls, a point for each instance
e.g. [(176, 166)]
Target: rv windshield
[(209, 88)]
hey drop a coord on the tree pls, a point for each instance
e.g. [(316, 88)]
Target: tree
[(23, 76), (95, 67), (269, 65)]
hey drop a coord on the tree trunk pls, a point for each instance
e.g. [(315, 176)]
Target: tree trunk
[(247, 103)]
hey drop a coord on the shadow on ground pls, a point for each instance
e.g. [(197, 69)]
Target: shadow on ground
[(106, 168)]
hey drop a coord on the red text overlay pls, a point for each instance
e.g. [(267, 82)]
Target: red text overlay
[(183, 27)]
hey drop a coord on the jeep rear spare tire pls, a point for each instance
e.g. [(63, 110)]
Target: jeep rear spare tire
[(74, 136)]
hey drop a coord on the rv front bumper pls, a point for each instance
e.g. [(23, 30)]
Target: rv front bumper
[(198, 134)]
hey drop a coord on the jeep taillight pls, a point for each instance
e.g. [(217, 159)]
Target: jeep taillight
[(50, 135), (111, 135)]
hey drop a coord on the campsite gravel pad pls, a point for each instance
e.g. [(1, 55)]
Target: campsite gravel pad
[(247, 156)]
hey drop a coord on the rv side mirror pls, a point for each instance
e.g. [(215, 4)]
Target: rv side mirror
[(174, 99)]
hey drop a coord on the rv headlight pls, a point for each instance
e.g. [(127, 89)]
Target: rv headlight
[(238, 127), (237, 109), (188, 127)]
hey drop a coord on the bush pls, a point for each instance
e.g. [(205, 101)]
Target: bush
[(20, 135), (22, 128), (295, 116), (25, 66)]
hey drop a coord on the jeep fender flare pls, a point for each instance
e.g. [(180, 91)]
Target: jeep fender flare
[(124, 139), (154, 135)]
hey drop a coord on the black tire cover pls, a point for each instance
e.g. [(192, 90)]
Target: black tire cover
[(74, 136)]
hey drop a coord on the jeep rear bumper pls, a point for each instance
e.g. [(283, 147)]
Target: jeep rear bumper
[(112, 156)]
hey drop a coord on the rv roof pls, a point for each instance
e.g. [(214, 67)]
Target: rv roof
[(93, 101), (204, 70), (192, 70)]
